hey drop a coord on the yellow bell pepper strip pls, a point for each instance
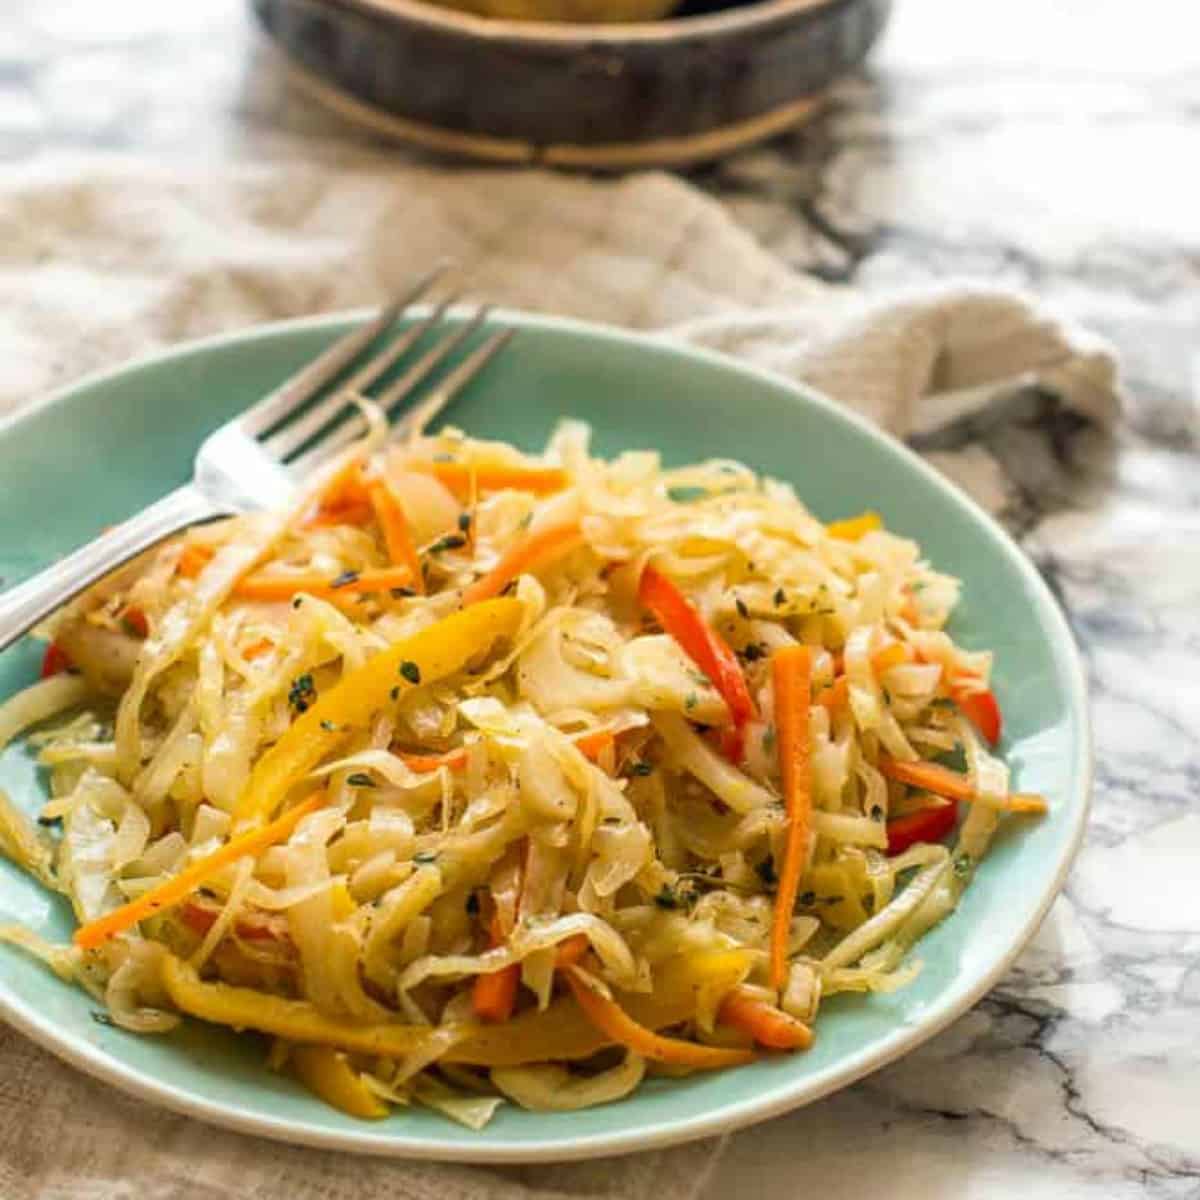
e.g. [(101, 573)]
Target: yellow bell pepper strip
[(533, 550), (327, 1074), (293, 1020), (851, 529), (179, 887), (618, 1026), (562, 1032), (791, 672), (954, 785), (444, 648), (768, 1025)]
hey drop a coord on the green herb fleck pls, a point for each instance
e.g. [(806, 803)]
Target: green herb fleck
[(641, 769), (779, 597), (360, 780), (700, 677), (807, 899), (472, 904), (102, 1018), (424, 857), (299, 600), (941, 702), (963, 865), (395, 693), (877, 813), (452, 541), (525, 521), (754, 651), (674, 898), (509, 588), (329, 726), (868, 902), (887, 696), (691, 701), (302, 692), (402, 593), (345, 579), (464, 521), (832, 899), (768, 739), (740, 604), (683, 494), (410, 671)]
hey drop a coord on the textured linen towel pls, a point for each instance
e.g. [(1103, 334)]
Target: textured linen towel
[(101, 259)]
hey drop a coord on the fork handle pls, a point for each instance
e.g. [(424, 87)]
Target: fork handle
[(23, 606)]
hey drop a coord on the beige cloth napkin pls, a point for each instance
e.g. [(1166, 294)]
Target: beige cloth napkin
[(104, 259)]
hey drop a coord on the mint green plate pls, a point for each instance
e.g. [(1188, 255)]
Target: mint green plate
[(94, 453)]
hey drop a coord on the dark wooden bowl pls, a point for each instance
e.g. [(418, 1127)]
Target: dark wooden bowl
[(686, 89)]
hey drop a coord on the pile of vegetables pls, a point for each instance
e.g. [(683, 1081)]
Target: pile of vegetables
[(478, 777)]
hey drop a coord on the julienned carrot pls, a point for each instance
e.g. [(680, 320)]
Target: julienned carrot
[(765, 1023), (494, 996), (851, 529), (571, 951), (264, 585), (394, 525), (836, 695), (534, 550), (954, 785), (344, 514), (791, 673), (193, 558), (258, 648), (615, 1023), (680, 618), (890, 656), (458, 477), (179, 887)]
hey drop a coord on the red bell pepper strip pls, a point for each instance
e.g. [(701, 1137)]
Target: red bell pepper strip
[(981, 709), (930, 824), (703, 645), (54, 661)]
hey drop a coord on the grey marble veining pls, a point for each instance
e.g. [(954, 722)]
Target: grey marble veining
[(1050, 144)]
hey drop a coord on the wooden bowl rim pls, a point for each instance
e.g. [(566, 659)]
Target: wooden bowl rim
[(448, 20)]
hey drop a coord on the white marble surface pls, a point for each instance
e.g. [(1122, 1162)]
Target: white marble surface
[(1049, 143)]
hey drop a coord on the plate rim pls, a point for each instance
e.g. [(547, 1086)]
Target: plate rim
[(725, 1118)]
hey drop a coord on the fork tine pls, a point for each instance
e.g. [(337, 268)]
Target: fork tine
[(413, 424), (308, 381), (445, 392), (425, 365), (288, 439)]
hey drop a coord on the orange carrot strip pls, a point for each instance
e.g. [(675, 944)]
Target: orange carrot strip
[(193, 559), (836, 696), (179, 887), (615, 1023), (571, 951), (890, 656), (343, 514), (534, 550), (791, 672), (258, 649), (541, 481), (494, 996), (851, 529), (954, 785), (765, 1023), (270, 586), (393, 522)]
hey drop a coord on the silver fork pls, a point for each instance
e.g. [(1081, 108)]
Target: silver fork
[(252, 462)]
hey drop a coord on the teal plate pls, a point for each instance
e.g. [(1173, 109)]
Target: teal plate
[(97, 451)]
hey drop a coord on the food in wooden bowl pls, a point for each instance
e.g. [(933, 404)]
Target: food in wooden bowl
[(644, 93)]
